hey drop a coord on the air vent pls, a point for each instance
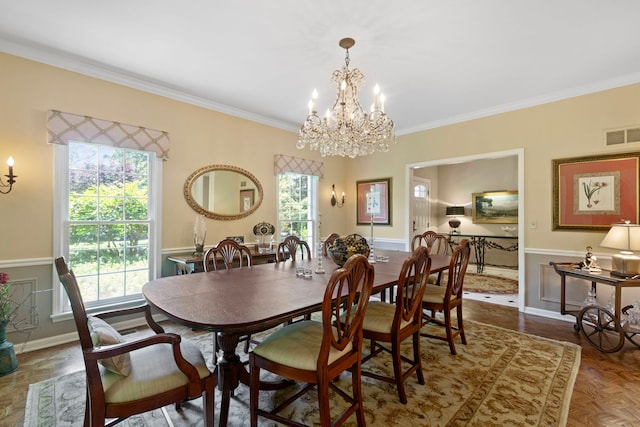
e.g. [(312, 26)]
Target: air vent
[(622, 136)]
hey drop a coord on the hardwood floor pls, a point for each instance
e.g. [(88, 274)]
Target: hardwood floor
[(605, 394)]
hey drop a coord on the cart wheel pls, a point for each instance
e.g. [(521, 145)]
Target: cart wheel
[(633, 337), (601, 328)]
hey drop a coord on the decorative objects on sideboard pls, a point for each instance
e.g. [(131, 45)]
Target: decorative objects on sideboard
[(199, 234), (624, 237), (264, 232), (11, 178), (346, 129)]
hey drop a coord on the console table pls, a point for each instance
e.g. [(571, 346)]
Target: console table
[(482, 242), (187, 263)]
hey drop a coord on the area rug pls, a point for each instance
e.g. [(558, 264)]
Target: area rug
[(487, 284), (499, 378)]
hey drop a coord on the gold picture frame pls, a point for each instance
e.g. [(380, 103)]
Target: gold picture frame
[(495, 207)]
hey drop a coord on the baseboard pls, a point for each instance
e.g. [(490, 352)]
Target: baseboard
[(549, 314)]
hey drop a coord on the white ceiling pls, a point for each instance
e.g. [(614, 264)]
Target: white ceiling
[(437, 62)]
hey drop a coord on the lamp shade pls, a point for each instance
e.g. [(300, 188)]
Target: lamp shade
[(455, 210), (623, 237), (626, 239)]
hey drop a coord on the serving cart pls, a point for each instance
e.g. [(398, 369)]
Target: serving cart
[(603, 327)]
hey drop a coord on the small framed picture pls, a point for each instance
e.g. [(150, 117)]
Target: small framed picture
[(374, 202), (247, 198)]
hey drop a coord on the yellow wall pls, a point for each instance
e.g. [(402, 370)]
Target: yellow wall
[(568, 128), (201, 137)]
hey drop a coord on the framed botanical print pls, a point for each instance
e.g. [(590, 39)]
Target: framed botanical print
[(374, 202), (590, 193)]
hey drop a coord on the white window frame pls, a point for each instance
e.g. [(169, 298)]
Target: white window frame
[(61, 239), (313, 238)]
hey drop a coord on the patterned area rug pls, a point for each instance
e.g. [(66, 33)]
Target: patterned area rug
[(500, 377), (488, 284)]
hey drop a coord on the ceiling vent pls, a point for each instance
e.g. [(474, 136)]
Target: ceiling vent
[(622, 136)]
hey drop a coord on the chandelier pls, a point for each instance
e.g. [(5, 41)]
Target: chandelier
[(346, 129)]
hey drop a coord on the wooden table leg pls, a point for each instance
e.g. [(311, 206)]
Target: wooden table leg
[(228, 367), (232, 371)]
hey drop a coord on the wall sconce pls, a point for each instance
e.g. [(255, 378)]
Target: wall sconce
[(11, 177), (334, 201), (454, 223)]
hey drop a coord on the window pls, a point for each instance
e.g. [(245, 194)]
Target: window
[(106, 201), (297, 207)]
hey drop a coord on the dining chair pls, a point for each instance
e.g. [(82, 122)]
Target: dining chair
[(394, 323), (438, 244), (447, 298), (228, 253), (128, 378), (317, 352), (288, 248), (328, 242)]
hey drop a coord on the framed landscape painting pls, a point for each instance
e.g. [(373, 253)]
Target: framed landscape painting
[(495, 207), (591, 193)]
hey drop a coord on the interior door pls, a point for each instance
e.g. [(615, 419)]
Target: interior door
[(420, 206)]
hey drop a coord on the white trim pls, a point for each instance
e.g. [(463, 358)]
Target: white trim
[(60, 310), (73, 63), (25, 262), (526, 103), (549, 314), (76, 64)]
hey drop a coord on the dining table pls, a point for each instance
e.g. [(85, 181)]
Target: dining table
[(248, 300)]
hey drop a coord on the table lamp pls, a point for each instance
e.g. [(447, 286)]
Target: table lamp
[(626, 238), (454, 223)]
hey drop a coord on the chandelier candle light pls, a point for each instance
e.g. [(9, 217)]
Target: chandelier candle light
[(346, 129)]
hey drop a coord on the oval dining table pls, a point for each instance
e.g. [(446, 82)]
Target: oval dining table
[(248, 300)]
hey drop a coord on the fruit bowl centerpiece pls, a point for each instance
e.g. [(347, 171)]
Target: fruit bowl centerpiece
[(345, 247)]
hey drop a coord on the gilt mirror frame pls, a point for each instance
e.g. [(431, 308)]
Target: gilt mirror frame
[(188, 195)]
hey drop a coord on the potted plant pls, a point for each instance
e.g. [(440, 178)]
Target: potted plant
[(8, 311)]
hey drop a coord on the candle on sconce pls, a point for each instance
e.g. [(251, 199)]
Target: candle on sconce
[(10, 163)]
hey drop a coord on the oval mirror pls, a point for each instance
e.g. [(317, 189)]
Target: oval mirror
[(223, 192)]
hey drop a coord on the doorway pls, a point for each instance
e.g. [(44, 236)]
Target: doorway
[(420, 192), (439, 197)]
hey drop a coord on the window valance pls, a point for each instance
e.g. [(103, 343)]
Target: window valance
[(65, 127), (284, 164)]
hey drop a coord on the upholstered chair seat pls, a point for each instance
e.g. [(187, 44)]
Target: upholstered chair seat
[(435, 294), (298, 346), (145, 379), (380, 316)]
